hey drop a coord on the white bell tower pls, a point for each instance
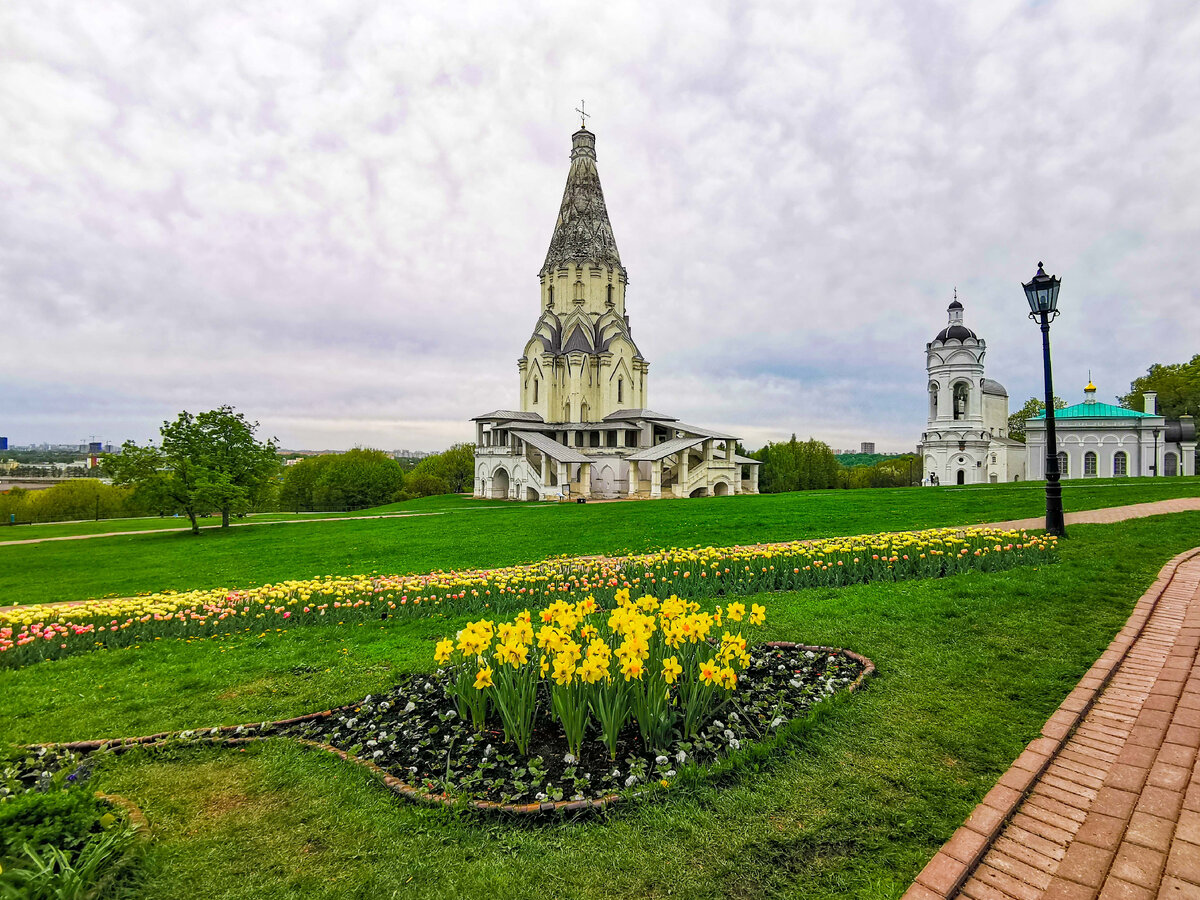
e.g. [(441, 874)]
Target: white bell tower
[(955, 443)]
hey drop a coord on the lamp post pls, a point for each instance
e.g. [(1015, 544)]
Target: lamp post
[(1154, 465), (1042, 294)]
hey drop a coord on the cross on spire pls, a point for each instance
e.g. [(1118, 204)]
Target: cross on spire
[(583, 116)]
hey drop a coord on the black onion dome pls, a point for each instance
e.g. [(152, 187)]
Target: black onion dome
[(954, 304), (956, 333)]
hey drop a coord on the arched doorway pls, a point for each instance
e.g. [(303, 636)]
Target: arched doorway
[(1170, 465), (500, 484), (531, 494), (962, 476), (720, 489), (699, 492)]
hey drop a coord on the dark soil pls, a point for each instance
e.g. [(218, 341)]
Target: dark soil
[(415, 733)]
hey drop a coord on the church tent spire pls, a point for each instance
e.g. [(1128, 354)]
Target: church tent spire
[(582, 233)]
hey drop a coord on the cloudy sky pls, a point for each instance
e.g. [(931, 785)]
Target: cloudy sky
[(332, 214)]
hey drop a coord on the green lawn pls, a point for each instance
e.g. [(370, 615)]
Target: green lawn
[(465, 534), (424, 505), (969, 669)]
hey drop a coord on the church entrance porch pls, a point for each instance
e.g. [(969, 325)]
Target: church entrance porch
[(500, 484)]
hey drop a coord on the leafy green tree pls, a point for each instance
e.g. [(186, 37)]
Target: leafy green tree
[(455, 467), (300, 480), (1177, 385), (206, 462), (797, 466), (242, 471), (357, 479), (1033, 406), (425, 484)]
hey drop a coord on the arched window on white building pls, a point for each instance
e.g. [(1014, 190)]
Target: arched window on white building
[(961, 393), (1089, 464), (1170, 464), (933, 392), (1120, 464), (1063, 469)]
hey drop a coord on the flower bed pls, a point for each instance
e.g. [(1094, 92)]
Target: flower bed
[(416, 735), (48, 631)]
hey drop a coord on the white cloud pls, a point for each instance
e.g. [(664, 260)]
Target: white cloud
[(332, 215)]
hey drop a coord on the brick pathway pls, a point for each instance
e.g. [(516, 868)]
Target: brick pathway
[(1106, 803)]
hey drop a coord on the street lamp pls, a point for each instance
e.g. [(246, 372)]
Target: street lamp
[(1154, 465), (1042, 294)]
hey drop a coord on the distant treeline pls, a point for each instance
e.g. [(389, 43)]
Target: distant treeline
[(811, 465), (359, 479), (81, 498)]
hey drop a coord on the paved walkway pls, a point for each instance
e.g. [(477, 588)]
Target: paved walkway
[(1112, 514), (1106, 803)]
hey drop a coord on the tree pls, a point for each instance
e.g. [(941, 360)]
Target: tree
[(1033, 406), (206, 462), (797, 466), (357, 479), (300, 480), (455, 467), (424, 484), (242, 472), (1177, 385)]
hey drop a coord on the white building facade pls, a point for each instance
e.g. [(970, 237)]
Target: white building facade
[(1099, 440), (966, 434), (583, 429)]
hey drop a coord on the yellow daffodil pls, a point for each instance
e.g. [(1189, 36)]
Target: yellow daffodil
[(671, 669)]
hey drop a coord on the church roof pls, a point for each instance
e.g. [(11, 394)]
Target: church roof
[(582, 233), (509, 414), (552, 448), (639, 414), (991, 386), (955, 333), (1096, 411), (746, 460), (663, 450), (706, 432)]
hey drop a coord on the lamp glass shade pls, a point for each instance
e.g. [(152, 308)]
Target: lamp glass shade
[(1042, 292)]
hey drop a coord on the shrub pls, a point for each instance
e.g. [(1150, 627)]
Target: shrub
[(65, 819), (423, 484)]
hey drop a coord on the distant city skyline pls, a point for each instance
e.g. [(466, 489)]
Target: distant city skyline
[(331, 215)]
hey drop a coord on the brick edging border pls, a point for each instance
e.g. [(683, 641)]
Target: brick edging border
[(951, 867), (231, 735)]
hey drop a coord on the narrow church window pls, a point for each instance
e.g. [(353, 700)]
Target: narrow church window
[(535, 390), (1120, 464), (933, 394), (620, 381), (1089, 463), (550, 301), (960, 401), (610, 300)]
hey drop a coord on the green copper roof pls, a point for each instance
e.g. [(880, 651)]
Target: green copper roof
[(1095, 411)]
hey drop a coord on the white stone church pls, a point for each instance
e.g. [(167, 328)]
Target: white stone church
[(583, 429), (966, 437)]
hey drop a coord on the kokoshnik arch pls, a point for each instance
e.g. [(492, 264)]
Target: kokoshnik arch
[(584, 428)]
